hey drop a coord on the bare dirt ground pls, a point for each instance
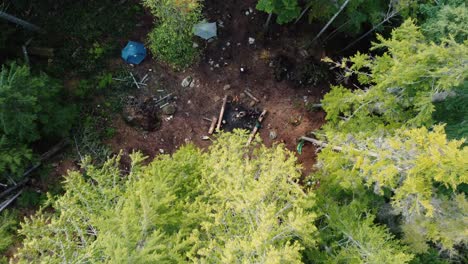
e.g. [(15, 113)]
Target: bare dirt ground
[(220, 65)]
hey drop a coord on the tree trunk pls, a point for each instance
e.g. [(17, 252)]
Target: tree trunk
[(303, 13), (331, 20), (20, 22), (221, 114), (370, 31), (267, 23)]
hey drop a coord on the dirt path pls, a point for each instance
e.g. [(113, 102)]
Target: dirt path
[(219, 66)]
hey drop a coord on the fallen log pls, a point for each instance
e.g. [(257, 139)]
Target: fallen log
[(43, 157), (9, 201), (257, 127), (213, 125), (221, 114), (251, 96)]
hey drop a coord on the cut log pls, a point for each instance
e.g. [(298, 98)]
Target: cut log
[(257, 127), (213, 125), (221, 114), (251, 96)]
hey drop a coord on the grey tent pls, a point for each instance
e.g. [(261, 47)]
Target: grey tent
[(205, 30)]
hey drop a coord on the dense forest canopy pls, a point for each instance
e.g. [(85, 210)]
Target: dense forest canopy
[(390, 173)]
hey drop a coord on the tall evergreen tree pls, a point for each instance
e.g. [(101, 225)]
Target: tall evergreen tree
[(231, 204), (31, 108)]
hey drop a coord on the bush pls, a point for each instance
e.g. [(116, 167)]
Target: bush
[(171, 40), (174, 48), (8, 225)]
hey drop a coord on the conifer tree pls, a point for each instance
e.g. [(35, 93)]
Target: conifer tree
[(31, 107), (230, 204), (399, 85), (420, 171)]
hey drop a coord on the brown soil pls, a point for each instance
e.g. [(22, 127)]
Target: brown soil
[(285, 103)]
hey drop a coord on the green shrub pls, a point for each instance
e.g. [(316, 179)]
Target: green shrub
[(8, 225), (30, 198), (174, 48), (171, 40)]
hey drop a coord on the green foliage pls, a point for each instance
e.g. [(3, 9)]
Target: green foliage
[(84, 34), (454, 113), (402, 82), (439, 19), (431, 256), (410, 164), (30, 199), (350, 236), (89, 137), (171, 39), (30, 108), (230, 204), (172, 47), (449, 21), (353, 18), (286, 10), (8, 225)]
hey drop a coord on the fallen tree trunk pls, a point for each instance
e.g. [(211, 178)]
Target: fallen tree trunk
[(9, 201), (330, 21), (20, 22), (26, 177)]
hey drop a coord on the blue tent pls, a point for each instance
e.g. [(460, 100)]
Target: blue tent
[(134, 52)]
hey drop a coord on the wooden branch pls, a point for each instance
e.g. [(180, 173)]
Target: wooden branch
[(330, 21), (316, 106), (251, 96), (9, 201), (162, 99), (213, 125), (144, 78), (387, 18), (257, 127), (303, 12), (44, 157), (221, 114), (25, 54), (44, 52), (135, 81), (335, 148), (20, 22)]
